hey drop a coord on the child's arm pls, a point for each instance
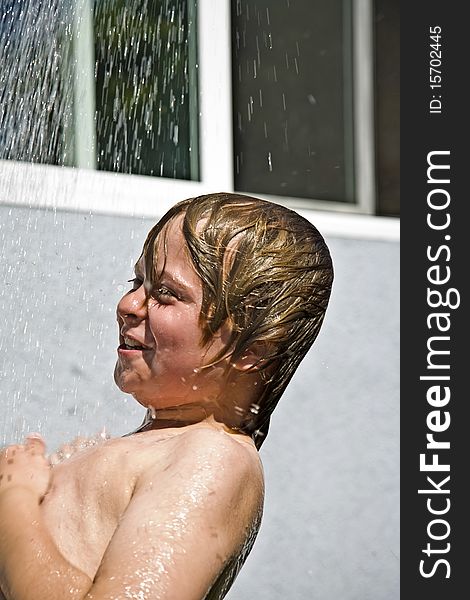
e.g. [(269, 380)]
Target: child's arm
[(31, 565), (183, 525)]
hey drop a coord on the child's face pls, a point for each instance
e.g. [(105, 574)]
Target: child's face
[(160, 354)]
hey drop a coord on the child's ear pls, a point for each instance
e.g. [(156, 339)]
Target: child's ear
[(254, 357)]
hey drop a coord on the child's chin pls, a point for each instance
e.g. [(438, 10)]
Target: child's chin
[(123, 381)]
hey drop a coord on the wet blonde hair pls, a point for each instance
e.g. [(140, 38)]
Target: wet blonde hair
[(267, 272)]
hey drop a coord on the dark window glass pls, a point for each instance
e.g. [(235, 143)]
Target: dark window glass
[(292, 98), (36, 81), (387, 106), (143, 90), (102, 83)]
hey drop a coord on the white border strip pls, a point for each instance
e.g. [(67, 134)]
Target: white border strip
[(84, 86), (26, 184), (361, 227), (363, 77), (71, 189), (215, 94)]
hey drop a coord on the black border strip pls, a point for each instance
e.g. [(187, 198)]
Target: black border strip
[(422, 247)]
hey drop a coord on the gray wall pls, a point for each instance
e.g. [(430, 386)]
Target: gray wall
[(331, 523)]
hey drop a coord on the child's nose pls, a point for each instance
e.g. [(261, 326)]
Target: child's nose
[(133, 305)]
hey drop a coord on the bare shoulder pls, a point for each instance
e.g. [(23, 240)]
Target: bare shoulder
[(214, 455), (207, 443), (193, 514), (219, 473)]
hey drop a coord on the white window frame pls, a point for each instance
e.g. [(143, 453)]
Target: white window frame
[(78, 189)]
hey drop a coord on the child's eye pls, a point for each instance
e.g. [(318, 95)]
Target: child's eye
[(162, 293)]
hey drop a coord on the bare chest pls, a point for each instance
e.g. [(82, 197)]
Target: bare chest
[(88, 495)]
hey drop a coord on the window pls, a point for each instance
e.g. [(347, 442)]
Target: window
[(106, 85), (295, 99), (36, 83), (146, 88)]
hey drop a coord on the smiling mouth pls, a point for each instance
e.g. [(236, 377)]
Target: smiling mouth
[(130, 344)]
